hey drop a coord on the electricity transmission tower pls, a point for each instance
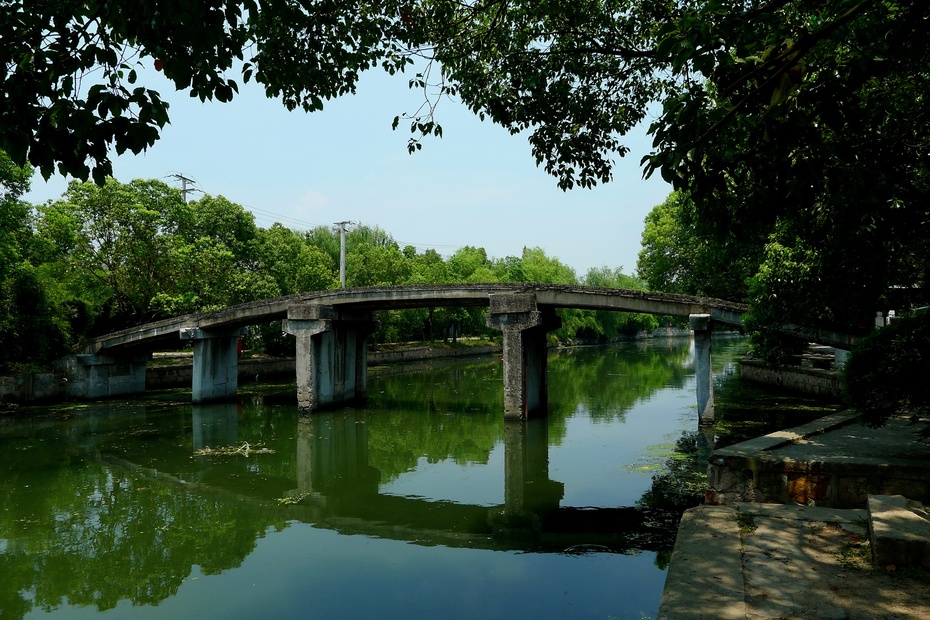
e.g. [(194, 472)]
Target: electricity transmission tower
[(342, 251), (184, 181)]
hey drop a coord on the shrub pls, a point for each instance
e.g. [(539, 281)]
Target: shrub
[(887, 374)]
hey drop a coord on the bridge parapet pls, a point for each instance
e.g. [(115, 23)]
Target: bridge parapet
[(332, 327)]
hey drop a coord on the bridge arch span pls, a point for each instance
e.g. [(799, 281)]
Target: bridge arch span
[(332, 327)]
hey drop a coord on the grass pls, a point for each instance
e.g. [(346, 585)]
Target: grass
[(746, 521), (856, 552)]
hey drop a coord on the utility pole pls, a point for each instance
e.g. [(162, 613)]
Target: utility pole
[(342, 251), (184, 181)]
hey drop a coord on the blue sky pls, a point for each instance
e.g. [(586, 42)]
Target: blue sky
[(477, 185)]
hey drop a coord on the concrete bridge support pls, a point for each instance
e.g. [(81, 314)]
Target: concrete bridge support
[(524, 326), (216, 362), (704, 376), (332, 355), (95, 375)]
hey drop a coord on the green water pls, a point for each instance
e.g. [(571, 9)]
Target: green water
[(421, 504)]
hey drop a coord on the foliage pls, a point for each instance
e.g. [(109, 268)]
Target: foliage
[(799, 128), (886, 373), (115, 255), (677, 258), (72, 87), (573, 75), (32, 328)]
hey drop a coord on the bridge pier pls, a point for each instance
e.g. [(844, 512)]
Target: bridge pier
[(216, 362), (704, 376), (332, 355), (524, 328)]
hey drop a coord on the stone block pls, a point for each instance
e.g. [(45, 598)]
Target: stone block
[(900, 530), (699, 322)]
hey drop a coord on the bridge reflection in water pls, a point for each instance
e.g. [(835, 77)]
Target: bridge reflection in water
[(338, 488)]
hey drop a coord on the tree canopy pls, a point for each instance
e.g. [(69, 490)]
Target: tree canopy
[(578, 75), (109, 256), (797, 128)]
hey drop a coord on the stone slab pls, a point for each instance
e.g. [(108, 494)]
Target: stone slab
[(834, 461), (705, 575), (900, 530)]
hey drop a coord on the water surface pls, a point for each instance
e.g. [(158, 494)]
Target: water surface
[(423, 503)]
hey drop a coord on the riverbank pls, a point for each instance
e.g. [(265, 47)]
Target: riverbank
[(868, 558), (767, 561)]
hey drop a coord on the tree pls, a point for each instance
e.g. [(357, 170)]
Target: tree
[(71, 88), (801, 134), (886, 375), (294, 265), (470, 264), (615, 324), (32, 327), (537, 267), (376, 265), (118, 253), (676, 257)]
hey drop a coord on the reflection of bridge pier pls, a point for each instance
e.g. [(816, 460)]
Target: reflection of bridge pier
[(338, 488), (332, 456), (527, 487), (215, 425)]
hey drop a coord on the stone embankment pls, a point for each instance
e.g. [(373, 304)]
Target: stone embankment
[(816, 372), (824, 520)]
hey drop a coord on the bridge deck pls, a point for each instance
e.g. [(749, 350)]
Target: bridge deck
[(158, 333)]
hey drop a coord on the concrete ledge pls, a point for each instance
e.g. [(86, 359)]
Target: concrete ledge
[(900, 531), (778, 439), (803, 513), (705, 575), (831, 462), (798, 379)]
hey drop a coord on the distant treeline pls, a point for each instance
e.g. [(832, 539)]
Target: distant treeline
[(108, 257)]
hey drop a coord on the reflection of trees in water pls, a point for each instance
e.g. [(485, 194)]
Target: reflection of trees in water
[(462, 406), (73, 528), (745, 410), (458, 413), (79, 532), (607, 381), (681, 478)]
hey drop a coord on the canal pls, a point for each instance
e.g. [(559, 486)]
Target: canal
[(421, 504)]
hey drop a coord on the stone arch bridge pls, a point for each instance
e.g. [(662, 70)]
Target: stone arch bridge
[(332, 328)]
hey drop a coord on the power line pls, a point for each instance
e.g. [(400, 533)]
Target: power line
[(282, 218)]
